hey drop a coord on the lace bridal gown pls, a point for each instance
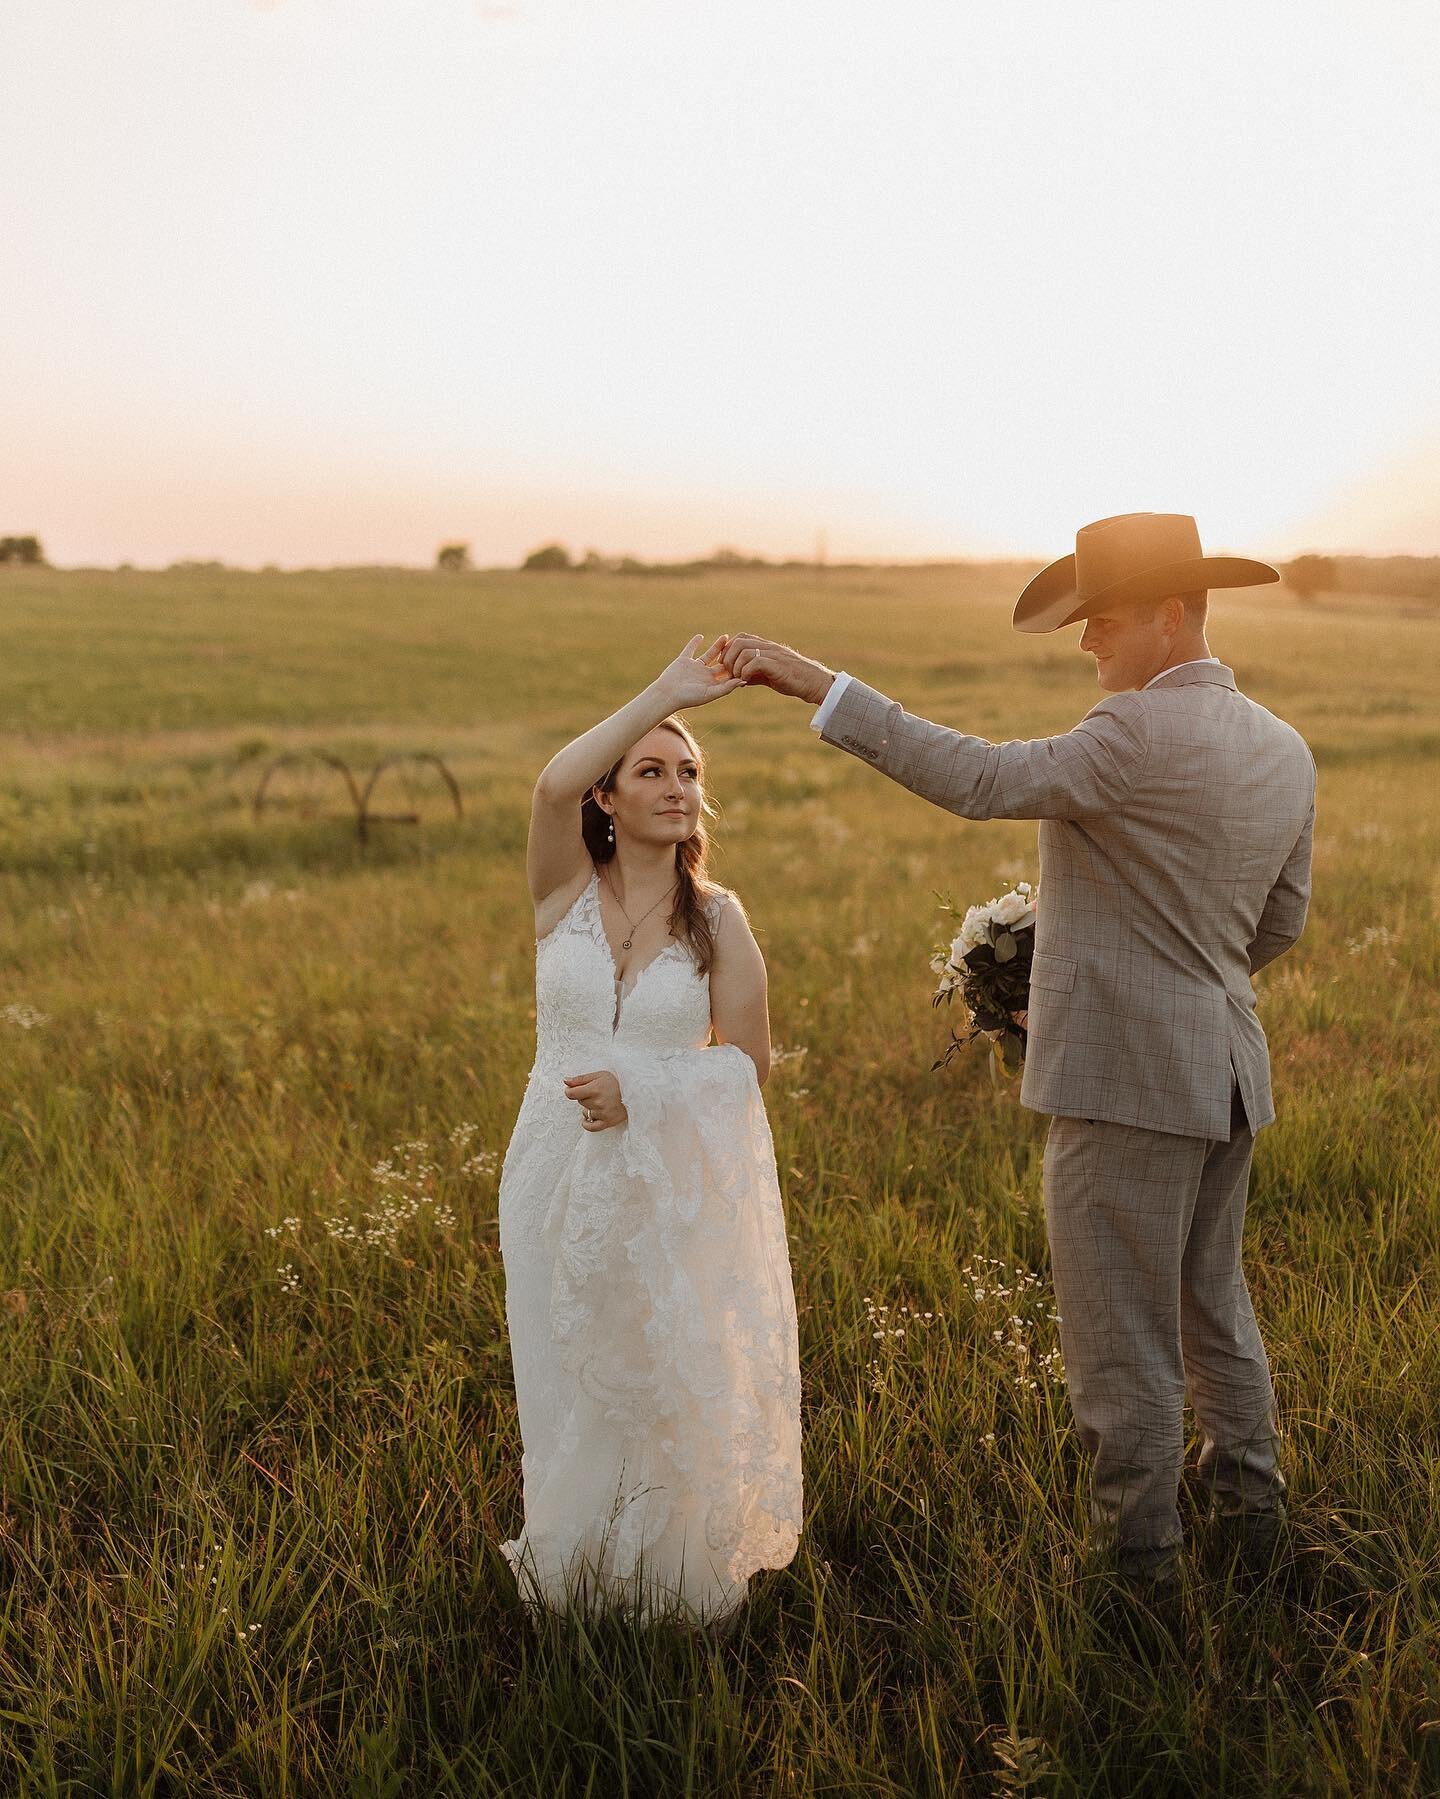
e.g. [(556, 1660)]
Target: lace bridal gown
[(648, 1295)]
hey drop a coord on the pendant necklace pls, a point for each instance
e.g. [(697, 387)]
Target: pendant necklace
[(633, 923)]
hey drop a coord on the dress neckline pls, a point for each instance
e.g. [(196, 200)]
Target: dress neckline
[(622, 993)]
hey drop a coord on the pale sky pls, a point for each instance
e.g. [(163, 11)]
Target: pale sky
[(321, 281)]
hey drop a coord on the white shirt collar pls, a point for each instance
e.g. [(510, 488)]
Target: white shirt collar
[(1194, 662)]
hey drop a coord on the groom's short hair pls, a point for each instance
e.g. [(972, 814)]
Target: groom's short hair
[(1196, 605)]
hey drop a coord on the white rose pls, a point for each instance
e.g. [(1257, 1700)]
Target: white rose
[(1010, 908), (972, 931)]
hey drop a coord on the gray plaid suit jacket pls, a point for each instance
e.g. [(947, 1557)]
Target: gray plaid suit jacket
[(1175, 838)]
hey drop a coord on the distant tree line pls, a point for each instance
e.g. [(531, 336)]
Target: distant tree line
[(1308, 575), (555, 557), (1409, 577), (1398, 577)]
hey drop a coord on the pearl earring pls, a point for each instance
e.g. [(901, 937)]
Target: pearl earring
[(611, 832)]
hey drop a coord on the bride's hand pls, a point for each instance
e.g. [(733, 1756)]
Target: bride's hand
[(695, 680), (598, 1097)]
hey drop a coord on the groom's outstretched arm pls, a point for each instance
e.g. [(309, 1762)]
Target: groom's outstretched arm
[(1089, 770)]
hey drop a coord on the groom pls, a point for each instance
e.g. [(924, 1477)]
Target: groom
[(1175, 834)]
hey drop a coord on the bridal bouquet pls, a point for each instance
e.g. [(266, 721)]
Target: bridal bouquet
[(988, 964)]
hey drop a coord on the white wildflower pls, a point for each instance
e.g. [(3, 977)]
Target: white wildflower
[(23, 1017)]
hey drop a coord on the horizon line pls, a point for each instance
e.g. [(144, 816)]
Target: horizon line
[(612, 564)]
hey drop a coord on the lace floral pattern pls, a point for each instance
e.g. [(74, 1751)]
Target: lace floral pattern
[(649, 1298)]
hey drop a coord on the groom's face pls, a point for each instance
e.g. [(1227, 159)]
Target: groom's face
[(1129, 643)]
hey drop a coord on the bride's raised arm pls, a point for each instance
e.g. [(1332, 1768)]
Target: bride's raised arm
[(556, 853)]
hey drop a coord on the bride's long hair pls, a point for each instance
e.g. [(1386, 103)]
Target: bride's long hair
[(688, 923)]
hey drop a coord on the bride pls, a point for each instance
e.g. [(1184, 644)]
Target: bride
[(647, 1282)]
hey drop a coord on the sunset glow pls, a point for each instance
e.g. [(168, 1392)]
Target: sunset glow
[(321, 282)]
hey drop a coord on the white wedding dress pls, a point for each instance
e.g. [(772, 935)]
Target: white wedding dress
[(648, 1295)]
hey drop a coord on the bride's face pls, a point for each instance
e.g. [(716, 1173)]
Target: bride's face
[(657, 796)]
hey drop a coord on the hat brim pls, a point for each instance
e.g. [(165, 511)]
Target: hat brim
[(1050, 600)]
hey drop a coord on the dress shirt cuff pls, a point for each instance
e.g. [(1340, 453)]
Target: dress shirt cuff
[(830, 702)]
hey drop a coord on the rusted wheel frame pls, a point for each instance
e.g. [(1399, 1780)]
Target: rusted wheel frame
[(289, 760), (403, 818)]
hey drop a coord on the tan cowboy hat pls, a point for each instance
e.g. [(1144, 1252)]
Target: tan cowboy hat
[(1133, 556)]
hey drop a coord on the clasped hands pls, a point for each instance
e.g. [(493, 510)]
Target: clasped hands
[(759, 662), (598, 1097), (741, 659)]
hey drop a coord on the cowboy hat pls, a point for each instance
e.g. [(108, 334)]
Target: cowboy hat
[(1133, 556)]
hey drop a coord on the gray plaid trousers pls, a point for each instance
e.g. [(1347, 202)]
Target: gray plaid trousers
[(1144, 1230)]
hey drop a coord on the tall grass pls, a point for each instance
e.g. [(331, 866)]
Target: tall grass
[(259, 1442)]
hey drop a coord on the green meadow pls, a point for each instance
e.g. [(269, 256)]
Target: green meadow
[(257, 1433)]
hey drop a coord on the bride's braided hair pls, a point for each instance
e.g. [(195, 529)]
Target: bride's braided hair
[(688, 923)]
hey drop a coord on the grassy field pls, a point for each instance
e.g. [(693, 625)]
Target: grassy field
[(259, 1441)]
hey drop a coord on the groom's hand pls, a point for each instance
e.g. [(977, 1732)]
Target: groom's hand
[(760, 663)]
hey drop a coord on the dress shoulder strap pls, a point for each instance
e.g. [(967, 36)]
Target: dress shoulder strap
[(582, 916)]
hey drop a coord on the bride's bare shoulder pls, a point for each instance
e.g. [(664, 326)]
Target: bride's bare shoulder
[(550, 910), (717, 899), (728, 918)]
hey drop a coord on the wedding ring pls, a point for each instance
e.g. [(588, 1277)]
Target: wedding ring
[(587, 1115)]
